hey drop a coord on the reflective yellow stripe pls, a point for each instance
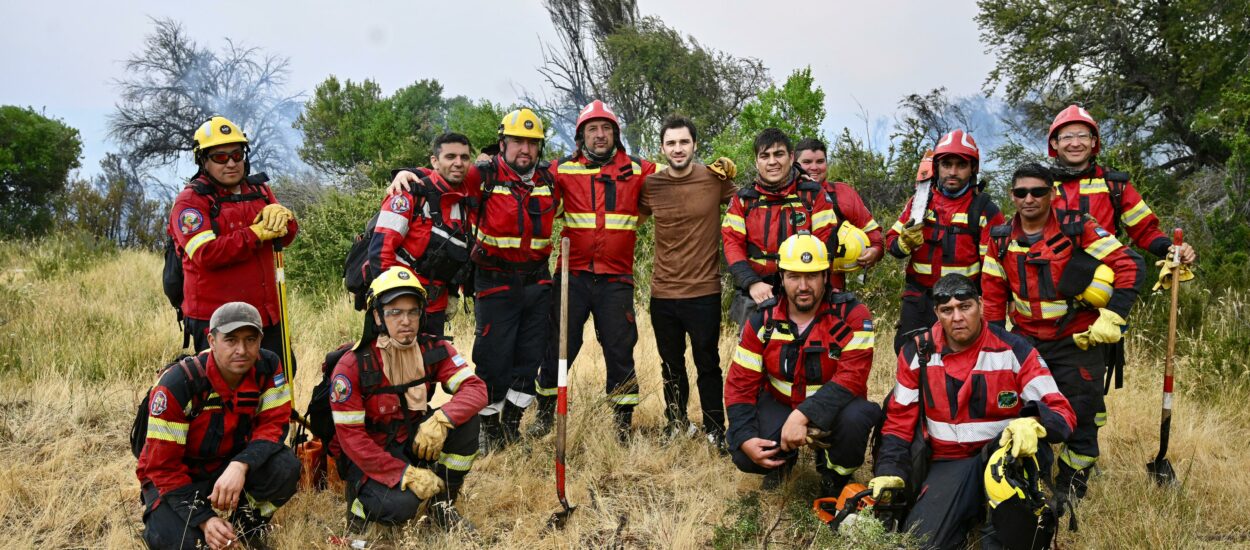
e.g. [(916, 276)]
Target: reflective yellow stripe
[(1094, 186), (748, 360), (1076, 460), (1136, 214), (358, 509), (576, 169), (544, 391), (861, 340), (542, 191), (760, 261), (499, 242), (501, 190), (990, 266), (274, 397), (824, 218), (959, 217), (199, 240), (579, 220), (635, 167), (1102, 247), (624, 399), (735, 222), (1050, 310), (967, 271), (898, 227), (348, 417), (870, 226), (175, 432), (843, 470), (923, 269), (778, 336), (1015, 248), (536, 244), (785, 387), (1100, 419), (453, 383), (459, 463), (983, 249), (265, 507), (620, 221)]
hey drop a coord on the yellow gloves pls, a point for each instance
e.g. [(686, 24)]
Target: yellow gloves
[(1169, 271), (724, 168), (1108, 329), (880, 483), (421, 482), (1022, 434), (264, 234), (430, 436), (911, 238), (275, 217)]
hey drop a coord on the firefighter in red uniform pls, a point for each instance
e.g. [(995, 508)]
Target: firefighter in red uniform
[(800, 375), (811, 155), (396, 451), (214, 440), (600, 185), (1037, 269), (224, 223), (430, 230), (781, 202), (952, 237), (983, 388)]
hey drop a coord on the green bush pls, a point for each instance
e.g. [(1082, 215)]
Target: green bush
[(328, 229)]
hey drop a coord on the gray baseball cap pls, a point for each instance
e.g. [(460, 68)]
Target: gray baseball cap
[(234, 316)]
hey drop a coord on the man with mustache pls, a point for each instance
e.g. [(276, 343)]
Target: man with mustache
[(952, 236), (812, 157)]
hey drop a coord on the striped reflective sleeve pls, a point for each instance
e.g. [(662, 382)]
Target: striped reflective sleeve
[(395, 222), (200, 239), (1100, 248), (748, 360), (275, 397), (991, 267), (347, 418), (453, 384), (824, 218), (460, 463), (735, 222), (862, 339), (1136, 214), (174, 432)]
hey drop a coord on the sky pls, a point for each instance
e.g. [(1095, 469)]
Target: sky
[(63, 58)]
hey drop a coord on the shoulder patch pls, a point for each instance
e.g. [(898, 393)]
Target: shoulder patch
[(279, 379), (868, 325), (340, 389), (400, 204), (159, 402), (1101, 232), (458, 360), (190, 220)]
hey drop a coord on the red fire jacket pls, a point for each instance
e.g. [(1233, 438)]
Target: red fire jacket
[(951, 241), (363, 420), (1093, 195), (226, 263), (971, 396), (1026, 279), (601, 210), (759, 220), (818, 371), (848, 206), (244, 424), (515, 225)]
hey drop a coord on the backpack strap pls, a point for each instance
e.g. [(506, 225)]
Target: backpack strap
[(196, 381), (807, 190), (1116, 182), (832, 195), (1001, 235)]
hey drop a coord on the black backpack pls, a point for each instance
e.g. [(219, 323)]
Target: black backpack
[(358, 274), (197, 386), (172, 276)]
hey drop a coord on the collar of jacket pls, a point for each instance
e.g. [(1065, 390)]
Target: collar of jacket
[(782, 188)]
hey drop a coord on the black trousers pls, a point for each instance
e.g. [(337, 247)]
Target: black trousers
[(271, 340), (849, 436), (513, 318), (916, 313), (610, 299), (372, 501), (435, 323), (1079, 374), (672, 320), (266, 488), (951, 502)]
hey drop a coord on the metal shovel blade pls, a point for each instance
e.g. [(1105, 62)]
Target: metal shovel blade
[(1161, 470), (560, 518)]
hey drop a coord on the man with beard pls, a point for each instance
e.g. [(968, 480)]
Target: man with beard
[(812, 157), (685, 201), (799, 375), (952, 236)]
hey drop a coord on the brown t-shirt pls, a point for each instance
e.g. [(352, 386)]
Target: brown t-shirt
[(686, 262)]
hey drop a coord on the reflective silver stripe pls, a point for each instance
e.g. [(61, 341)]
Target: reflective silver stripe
[(274, 397), (460, 463), (454, 382), (969, 432), (443, 233), (904, 395), (991, 361), (624, 399), (348, 417), (394, 222), (174, 432), (1039, 387)]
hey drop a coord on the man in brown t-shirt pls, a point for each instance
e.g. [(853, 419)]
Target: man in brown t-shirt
[(685, 199)]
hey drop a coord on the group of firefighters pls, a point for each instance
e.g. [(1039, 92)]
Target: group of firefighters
[(969, 389)]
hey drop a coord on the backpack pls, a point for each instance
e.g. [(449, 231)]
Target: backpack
[(197, 386), (172, 276), (806, 190), (358, 274)]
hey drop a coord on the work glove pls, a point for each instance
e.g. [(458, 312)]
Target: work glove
[(911, 238), (1022, 434), (724, 168), (265, 234), (1169, 271), (275, 217), (422, 482), (1108, 329), (818, 438), (881, 483), (431, 435)]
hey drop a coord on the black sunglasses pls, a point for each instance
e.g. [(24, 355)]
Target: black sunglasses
[(224, 157), (942, 297), (1037, 192)]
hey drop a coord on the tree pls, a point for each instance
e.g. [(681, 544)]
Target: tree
[(796, 108), (113, 206), (36, 156), (174, 85)]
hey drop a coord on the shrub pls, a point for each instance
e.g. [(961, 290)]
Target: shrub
[(327, 231)]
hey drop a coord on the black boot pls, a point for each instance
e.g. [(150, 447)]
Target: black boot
[(511, 420), (443, 511), (491, 436), (1071, 482), (831, 483), (544, 417), (250, 525), (623, 419)]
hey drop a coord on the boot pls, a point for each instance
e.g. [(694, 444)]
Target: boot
[(623, 419), (831, 483), (444, 514), (491, 436), (544, 417), (1071, 482), (775, 477), (511, 422), (250, 525)]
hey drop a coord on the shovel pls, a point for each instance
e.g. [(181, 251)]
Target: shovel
[(561, 517), (1160, 468)]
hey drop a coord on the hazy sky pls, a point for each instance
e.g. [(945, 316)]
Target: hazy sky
[(63, 57)]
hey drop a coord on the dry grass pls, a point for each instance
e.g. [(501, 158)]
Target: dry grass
[(78, 350)]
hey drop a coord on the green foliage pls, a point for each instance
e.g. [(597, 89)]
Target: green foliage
[(113, 206), (477, 120), (36, 155), (797, 108), (744, 524), (327, 231), (54, 255)]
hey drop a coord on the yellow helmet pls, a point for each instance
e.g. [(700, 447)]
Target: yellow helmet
[(217, 131), (1018, 509), (521, 123), (852, 241), (1098, 293), (804, 253), (393, 283)]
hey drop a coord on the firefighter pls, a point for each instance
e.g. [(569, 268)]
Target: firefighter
[(215, 440), (430, 229), (953, 235), (224, 224), (1010, 399), (811, 154), (1037, 268), (396, 451), (600, 185), (781, 202), (685, 200), (799, 375)]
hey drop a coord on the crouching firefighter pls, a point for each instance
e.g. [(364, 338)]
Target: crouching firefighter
[(395, 452), (800, 375), (210, 436), (963, 389)]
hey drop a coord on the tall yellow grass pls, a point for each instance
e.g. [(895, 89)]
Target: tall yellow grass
[(77, 351)]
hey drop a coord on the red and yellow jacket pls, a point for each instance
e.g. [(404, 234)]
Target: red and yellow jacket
[(952, 242), (848, 206), (970, 397), (1093, 195), (759, 220), (515, 225), (222, 260), (601, 210), (1025, 280), (818, 371), (364, 419)]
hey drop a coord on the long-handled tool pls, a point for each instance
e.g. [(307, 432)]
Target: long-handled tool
[(280, 276), (1161, 468), (561, 517)]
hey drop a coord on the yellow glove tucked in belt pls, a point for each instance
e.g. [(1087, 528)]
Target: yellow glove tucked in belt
[(724, 168), (431, 435), (1108, 329), (1022, 434)]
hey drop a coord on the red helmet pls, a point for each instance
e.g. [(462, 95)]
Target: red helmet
[(596, 109), (1074, 113), (959, 143)]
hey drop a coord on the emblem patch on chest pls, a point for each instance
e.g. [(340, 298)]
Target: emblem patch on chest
[(1007, 399)]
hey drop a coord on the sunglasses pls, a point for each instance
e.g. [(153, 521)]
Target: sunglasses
[(224, 157), (942, 297), (1037, 192)]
